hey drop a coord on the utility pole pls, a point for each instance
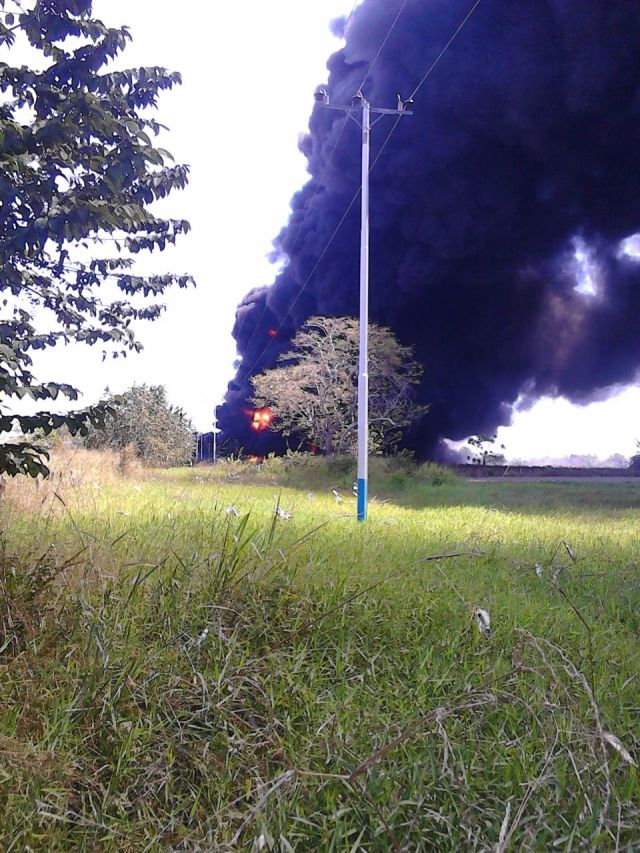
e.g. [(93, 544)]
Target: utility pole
[(363, 357), (215, 432), (359, 104)]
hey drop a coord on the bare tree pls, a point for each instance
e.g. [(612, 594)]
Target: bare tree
[(313, 393)]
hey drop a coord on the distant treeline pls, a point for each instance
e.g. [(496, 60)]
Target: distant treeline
[(480, 471)]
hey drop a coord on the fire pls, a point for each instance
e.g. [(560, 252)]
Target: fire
[(261, 419), (273, 333), (254, 460)]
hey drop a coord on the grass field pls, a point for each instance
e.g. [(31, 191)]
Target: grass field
[(174, 675)]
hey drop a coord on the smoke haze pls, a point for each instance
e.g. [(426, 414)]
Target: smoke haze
[(497, 210)]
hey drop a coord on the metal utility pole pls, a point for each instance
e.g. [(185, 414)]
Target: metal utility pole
[(363, 360), (360, 104)]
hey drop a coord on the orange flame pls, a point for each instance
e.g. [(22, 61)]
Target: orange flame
[(273, 333), (261, 419)]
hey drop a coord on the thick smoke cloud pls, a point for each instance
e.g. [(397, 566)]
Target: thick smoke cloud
[(525, 144)]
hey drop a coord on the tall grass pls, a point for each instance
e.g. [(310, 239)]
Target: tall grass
[(175, 676)]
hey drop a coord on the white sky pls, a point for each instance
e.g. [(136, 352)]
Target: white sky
[(249, 71)]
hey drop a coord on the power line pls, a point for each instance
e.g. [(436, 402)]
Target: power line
[(300, 227), (353, 9), (309, 204), (327, 164), (427, 73), (385, 40), (333, 151), (446, 47), (307, 280)]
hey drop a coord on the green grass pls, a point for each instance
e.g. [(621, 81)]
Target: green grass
[(175, 677)]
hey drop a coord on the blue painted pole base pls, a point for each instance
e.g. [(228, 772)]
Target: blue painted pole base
[(362, 500)]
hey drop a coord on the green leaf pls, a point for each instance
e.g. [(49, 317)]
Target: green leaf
[(81, 164)]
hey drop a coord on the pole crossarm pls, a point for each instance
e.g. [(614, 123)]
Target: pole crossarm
[(344, 108), (386, 112), (362, 106)]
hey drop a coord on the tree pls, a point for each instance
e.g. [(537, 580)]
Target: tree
[(160, 434), (314, 393), (78, 170), (616, 460), (481, 451)]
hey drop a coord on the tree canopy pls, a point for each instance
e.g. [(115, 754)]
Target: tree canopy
[(159, 434), (313, 394), (78, 171)]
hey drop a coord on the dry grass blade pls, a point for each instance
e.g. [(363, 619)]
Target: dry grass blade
[(503, 829), (479, 698), (373, 586), (503, 844), (619, 747), (146, 702), (285, 777), (587, 628), (395, 844)]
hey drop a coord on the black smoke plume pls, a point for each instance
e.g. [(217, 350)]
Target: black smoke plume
[(524, 148)]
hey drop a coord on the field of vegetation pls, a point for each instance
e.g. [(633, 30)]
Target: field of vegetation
[(222, 659)]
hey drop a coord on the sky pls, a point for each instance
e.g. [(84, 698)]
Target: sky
[(249, 71)]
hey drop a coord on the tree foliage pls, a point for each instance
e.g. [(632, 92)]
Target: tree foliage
[(78, 170), (314, 392), (160, 434)]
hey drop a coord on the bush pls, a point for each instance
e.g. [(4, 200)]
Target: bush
[(305, 470), (435, 475), (403, 461), (317, 473), (396, 472)]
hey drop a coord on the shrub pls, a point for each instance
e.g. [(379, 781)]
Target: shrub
[(435, 475)]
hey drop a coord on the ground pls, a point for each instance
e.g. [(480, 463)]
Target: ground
[(181, 667)]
